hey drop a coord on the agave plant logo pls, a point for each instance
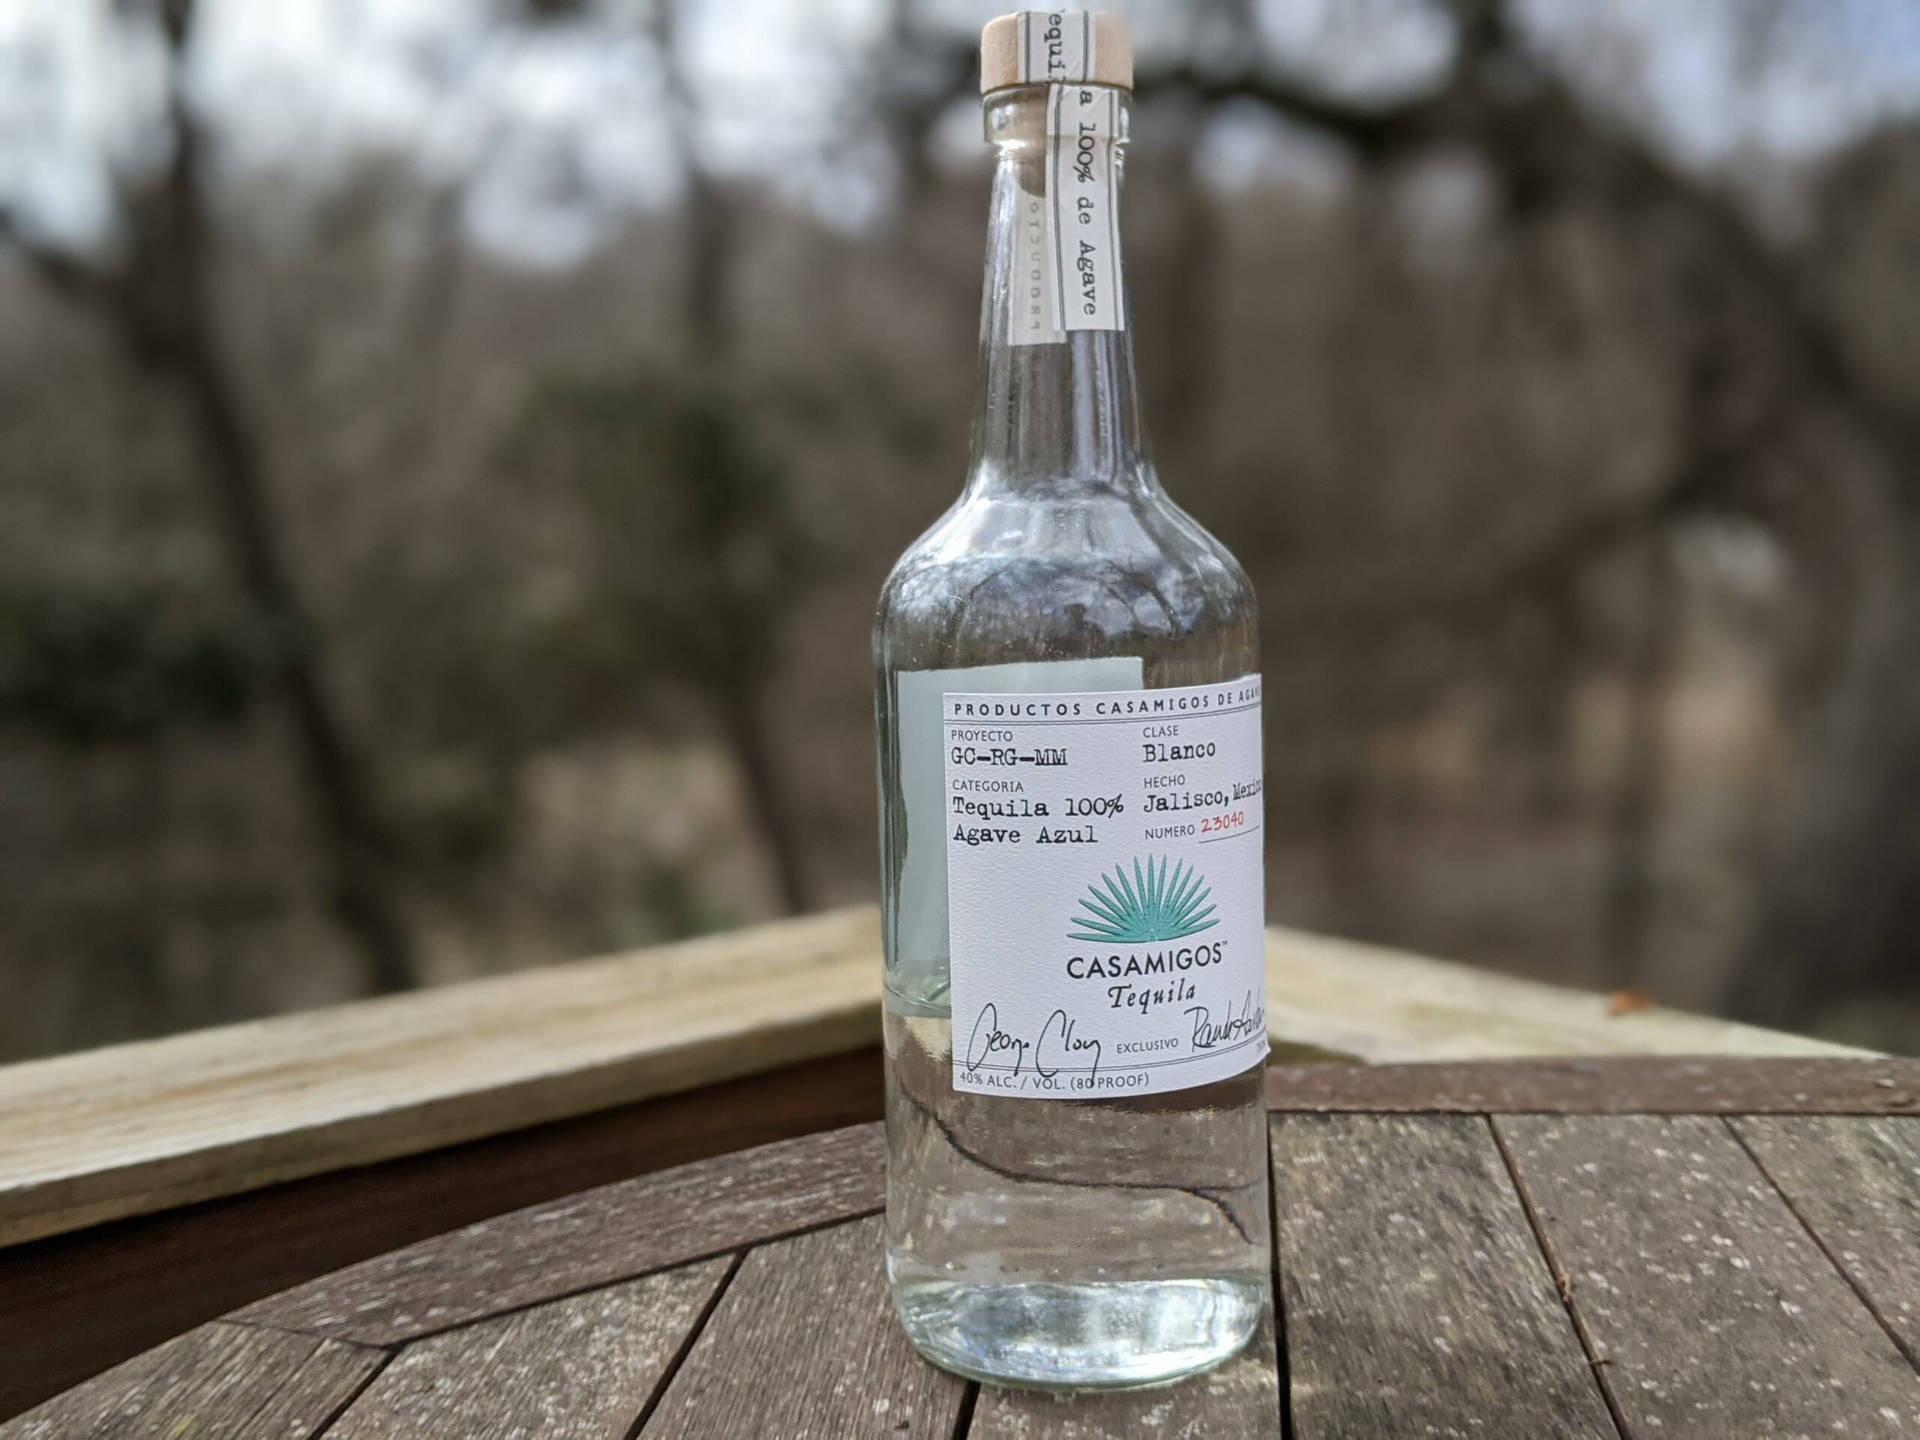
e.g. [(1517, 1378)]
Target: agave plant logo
[(1154, 904)]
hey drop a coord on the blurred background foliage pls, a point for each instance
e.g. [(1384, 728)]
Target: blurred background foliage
[(449, 450)]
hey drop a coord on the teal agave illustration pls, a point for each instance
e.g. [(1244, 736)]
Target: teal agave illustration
[(1151, 905)]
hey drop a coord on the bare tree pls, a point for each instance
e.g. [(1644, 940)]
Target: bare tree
[(1767, 356), (711, 231), (159, 303), (1634, 822)]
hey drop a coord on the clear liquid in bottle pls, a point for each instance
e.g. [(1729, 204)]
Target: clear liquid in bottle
[(1079, 1198)]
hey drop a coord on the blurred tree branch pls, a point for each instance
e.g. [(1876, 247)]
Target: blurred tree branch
[(158, 302), (694, 558), (737, 688), (1766, 355), (67, 275), (1834, 904), (1546, 145)]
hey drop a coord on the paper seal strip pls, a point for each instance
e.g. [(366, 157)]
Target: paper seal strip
[(1056, 46), (1083, 208)]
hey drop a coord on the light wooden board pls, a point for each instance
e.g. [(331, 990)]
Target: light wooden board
[(154, 1125), (1717, 1316), (1416, 1300), (589, 1239), (582, 1368), (220, 1382), (1856, 1184), (1389, 1007), (805, 1344), (1239, 1401), (150, 1126)]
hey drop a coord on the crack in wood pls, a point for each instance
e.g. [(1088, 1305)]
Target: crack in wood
[(1820, 1242), (692, 1338), (1562, 1282)]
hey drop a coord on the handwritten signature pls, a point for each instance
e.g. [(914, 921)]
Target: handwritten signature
[(1237, 1025), (1048, 1052)]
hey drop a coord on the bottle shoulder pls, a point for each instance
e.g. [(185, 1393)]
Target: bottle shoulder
[(1036, 575)]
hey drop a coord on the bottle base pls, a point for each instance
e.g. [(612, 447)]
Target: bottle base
[(1111, 1335)]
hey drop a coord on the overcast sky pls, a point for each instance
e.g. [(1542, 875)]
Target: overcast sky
[(555, 130)]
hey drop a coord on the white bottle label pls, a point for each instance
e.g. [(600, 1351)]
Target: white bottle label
[(921, 942), (1083, 208), (1105, 889)]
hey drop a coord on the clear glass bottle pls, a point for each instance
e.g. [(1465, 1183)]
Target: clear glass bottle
[(1070, 1243)]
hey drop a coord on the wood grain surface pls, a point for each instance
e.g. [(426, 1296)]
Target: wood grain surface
[(1487, 1276), (1390, 1007), (805, 1344), (1856, 1185), (591, 1239), (72, 1305), (220, 1382), (1717, 1316), (316, 1393), (583, 1368), (1615, 1085), (162, 1123), (1416, 1300), (154, 1125)]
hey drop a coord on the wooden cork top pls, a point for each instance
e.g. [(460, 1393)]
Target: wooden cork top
[(1039, 47)]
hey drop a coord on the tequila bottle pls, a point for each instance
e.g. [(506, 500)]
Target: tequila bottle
[(1069, 745)]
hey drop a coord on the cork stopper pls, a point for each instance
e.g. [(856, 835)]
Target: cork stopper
[(1041, 47)]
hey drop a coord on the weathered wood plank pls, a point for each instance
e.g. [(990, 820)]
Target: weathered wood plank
[(1618, 1085), (583, 1368), (805, 1344), (72, 1305), (592, 1239), (1718, 1317), (1856, 1184), (163, 1123), (1239, 1401), (212, 1383), (1388, 1007), (151, 1126), (316, 1393), (1417, 1302)]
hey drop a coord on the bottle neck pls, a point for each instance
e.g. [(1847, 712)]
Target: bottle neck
[(1060, 414)]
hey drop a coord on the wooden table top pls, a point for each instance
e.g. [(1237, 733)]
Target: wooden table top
[(1531, 1250)]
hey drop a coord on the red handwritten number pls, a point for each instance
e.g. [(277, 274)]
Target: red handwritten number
[(1215, 823)]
